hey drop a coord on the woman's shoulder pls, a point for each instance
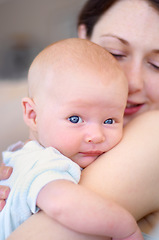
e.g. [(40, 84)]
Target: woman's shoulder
[(149, 117)]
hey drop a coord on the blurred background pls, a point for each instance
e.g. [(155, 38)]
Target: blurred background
[(26, 27)]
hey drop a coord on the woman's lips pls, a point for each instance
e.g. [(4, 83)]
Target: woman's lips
[(132, 108)]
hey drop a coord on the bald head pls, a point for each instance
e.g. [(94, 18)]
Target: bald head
[(73, 76), (66, 56)]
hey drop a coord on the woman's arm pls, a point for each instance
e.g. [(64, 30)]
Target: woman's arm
[(127, 174), (5, 173), (40, 226)]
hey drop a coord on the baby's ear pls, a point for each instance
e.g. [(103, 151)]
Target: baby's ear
[(29, 112)]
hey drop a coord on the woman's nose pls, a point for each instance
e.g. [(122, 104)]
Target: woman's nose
[(135, 77), (95, 135)]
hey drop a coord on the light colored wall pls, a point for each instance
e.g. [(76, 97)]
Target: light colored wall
[(12, 127), (40, 22), (45, 21)]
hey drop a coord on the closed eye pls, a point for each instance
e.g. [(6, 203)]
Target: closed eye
[(116, 53), (154, 66), (117, 56)]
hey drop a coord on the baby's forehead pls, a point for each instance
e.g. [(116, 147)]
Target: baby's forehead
[(74, 50), (71, 56)]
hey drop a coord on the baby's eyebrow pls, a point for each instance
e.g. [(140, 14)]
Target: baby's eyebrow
[(80, 103)]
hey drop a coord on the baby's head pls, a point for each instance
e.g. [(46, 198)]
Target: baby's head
[(77, 97)]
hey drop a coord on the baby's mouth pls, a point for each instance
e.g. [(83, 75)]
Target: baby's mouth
[(92, 153)]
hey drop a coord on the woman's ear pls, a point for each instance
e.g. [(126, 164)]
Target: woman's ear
[(29, 113), (82, 31)]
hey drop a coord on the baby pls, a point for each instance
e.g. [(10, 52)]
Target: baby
[(77, 97)]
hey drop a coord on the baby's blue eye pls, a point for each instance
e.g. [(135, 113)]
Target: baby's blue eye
[(75, 119), (109, 121)]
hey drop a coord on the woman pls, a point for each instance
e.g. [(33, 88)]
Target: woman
[(128, 173)]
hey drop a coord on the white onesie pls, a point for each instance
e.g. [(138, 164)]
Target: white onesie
[(33, 167)]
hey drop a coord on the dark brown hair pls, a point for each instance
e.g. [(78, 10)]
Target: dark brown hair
[(94, 9)]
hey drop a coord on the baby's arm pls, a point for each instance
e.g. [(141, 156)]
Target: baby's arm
[(84, 211)]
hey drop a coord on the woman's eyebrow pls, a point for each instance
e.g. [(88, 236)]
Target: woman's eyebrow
[(117, 37), (156, 51)]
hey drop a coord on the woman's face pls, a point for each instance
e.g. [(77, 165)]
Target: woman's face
[(129, 30)]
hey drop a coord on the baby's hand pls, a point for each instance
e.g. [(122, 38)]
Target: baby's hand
[(4, 192), (5, 173), (135, 236)]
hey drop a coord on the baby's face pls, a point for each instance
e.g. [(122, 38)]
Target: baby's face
[(82, 115)]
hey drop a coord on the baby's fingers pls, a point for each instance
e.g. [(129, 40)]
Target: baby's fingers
[(2, 204), (4, 192), (5, 172), (135, 236)]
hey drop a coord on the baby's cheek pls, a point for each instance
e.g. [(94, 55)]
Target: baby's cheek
[(116, 138)]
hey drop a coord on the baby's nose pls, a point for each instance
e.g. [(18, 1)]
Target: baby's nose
[(95, 136)]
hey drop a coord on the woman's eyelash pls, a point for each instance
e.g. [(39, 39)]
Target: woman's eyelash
[(155, 66), (118, 55)]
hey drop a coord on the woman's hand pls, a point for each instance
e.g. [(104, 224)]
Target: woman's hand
[(5, 173)]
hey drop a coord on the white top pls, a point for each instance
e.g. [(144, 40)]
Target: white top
[(33, 167)]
